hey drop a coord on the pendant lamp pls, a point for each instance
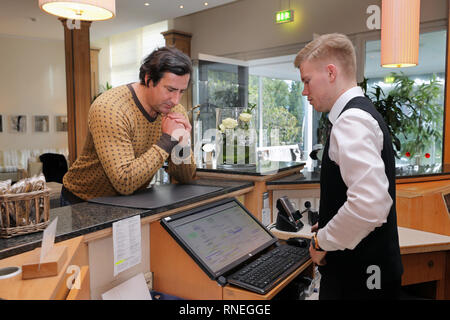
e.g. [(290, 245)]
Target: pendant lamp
[(400, 20), (87, 10)]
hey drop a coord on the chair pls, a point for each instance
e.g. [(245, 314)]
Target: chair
[(54, 166)]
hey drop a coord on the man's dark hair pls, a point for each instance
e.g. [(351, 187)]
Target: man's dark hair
[(162, 60)]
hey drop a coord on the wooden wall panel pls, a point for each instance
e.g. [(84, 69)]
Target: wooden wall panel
[(182, 41)]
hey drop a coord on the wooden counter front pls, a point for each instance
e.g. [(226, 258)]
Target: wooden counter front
[(253, 200), (175, 273), (422, 206), (50, 287)]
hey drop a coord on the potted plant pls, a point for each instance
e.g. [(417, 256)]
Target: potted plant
[(413, 114), (103, 89)]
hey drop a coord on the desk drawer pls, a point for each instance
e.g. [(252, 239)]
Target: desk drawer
[(423, 267)]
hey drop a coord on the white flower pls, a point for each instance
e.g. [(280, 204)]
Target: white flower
[(245, 117), (229, 123)]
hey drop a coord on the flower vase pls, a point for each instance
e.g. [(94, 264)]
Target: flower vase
[(238, 135), (243, 146), (235, 150)]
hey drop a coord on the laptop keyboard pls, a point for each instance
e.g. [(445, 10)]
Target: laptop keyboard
[(267, 271)]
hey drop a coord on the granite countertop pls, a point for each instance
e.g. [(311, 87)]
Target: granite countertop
[(411, 171), (304, 177), (86, 217), (259, 169)]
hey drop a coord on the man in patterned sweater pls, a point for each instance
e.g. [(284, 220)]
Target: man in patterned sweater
[(133, 129)]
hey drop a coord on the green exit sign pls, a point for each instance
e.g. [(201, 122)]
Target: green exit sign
[(284, 16)]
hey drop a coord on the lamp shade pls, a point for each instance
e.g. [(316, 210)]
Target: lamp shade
[(88, 10), (400, 20)]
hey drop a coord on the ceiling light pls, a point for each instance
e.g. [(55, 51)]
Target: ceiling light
[(89, 10), (146, 4), (206, 3), (400, 22), (181, 6)]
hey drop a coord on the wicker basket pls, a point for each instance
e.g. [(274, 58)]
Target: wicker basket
[(24, 213)]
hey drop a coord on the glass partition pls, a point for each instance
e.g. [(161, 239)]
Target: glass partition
[(270, 89), (219, 85), (220, 91), (412, 99)]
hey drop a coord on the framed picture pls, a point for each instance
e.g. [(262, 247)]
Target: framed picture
[(41, 123), (61, 123), (1, 123), (18, 123)]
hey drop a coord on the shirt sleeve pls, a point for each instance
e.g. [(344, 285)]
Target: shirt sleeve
[(356, 142), (112, 136)]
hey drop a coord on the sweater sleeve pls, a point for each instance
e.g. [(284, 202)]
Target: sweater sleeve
[(112, 136), (182, 165)]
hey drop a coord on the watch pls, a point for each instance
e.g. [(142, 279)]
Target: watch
[(315, 243)]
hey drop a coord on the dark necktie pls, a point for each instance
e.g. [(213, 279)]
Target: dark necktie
[(328, 127)]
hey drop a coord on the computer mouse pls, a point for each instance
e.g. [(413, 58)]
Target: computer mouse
[(298, 242)]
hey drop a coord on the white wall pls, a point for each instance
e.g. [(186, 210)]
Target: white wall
[(32, 82), (104, 64), (246, 29), (121, 55)]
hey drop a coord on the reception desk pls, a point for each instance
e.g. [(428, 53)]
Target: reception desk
[(425, 258), (420, 198), (86, 230), (422, 216), (260, 175), (178, 274)]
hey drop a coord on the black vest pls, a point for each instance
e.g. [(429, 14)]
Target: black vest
[(380, 247)]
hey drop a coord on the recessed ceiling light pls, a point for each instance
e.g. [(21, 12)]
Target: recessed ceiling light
[(146, 4), (206, 3), (181, 6)]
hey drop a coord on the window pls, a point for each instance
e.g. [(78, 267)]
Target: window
[(285, 116), (419, 92), (282, 109), (282, 116), (127, 50), (220, 87)]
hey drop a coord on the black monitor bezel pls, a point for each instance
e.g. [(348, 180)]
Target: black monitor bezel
[(166, 223)]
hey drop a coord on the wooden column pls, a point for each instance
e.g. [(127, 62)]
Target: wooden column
[(78, 83), (182, 41), (94, 72), (178, 39)]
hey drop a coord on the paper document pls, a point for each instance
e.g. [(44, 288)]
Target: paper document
[(132, 289), (127, 243), (48, 239)]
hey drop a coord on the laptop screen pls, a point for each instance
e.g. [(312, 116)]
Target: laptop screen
[(220, 236)]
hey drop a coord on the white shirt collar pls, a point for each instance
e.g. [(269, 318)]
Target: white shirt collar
[(342, 101)]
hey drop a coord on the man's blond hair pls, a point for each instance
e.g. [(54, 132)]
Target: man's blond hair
[(331, 45)]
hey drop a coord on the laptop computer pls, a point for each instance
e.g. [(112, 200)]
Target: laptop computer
[(227, 241)]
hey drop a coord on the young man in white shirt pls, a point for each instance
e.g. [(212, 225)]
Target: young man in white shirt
[(356, 244)]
